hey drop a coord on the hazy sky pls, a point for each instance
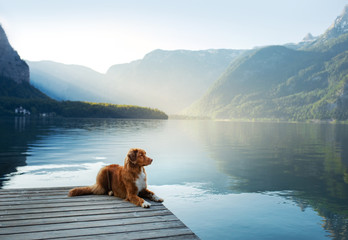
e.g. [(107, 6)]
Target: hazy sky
[(101, 33)]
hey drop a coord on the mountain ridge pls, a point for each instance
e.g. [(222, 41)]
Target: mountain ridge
[(172, 79), (307, 82), (237, 83), (67, 81), (16, 92), (11, 65), (157, 80)]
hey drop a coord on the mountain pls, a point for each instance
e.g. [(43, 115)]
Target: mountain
[(18, 96), (279, 82), (11, 65), (309, 38), (14, 72), (170, 80), (338, 28), (249, 79), (68, 82), (306, 41)]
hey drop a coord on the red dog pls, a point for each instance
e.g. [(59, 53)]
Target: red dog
[(127, 182)]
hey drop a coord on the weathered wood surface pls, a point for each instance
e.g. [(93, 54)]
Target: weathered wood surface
[(48, 213)]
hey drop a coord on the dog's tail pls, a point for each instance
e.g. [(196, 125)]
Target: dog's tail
[(94, 189)]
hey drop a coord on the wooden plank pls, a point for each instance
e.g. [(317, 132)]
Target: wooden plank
[(28, 191), (68, 203), (74, 206), (48, 213), (96, 223), (47, 219), (189, 236), (32, 190), (81, 212), (176, 233), (64, 209), (6, 198), (75, 212), (59, 204), (96, 230), (19, 199)]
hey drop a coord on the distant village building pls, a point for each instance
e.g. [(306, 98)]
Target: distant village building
[(22, 111), (44, 115)]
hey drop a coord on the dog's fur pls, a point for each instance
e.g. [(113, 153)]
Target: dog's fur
[(127, 182)]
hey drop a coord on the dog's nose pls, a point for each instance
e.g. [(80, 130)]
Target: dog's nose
[(151, 160)]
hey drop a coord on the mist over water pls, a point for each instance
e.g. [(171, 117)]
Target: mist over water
[(222, 179)]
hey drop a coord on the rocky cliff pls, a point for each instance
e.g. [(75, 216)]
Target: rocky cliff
[(11, 65), (340, 25)]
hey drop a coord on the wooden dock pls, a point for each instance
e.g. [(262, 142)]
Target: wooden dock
[(48, 213)]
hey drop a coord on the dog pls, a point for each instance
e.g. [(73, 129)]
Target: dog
[(127, 182)]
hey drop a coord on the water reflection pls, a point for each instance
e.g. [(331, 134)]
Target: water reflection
[(307, 162), (220, 178), (28, 143), (240, 216), (54, 175), (15, 135)]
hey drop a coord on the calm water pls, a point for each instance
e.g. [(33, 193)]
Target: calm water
[(225, 180)]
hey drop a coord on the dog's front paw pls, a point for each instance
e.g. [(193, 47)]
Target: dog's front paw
[(110, 193), (156, 198), (145, 204)]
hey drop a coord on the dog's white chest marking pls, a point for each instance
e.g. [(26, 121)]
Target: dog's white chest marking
[(141, 181)]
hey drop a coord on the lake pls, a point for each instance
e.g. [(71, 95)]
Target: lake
[(224, 180)]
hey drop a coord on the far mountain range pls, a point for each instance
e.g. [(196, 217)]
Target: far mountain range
[(307, 80), (167, 80)]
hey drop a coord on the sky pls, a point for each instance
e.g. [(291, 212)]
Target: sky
[(99, 34)]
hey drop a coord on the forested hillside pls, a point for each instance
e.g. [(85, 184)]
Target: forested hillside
[(277, 82)]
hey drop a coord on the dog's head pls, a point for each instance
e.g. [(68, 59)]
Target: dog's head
[(137, 156)]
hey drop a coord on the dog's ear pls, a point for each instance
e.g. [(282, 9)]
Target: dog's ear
[(132, 155)]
